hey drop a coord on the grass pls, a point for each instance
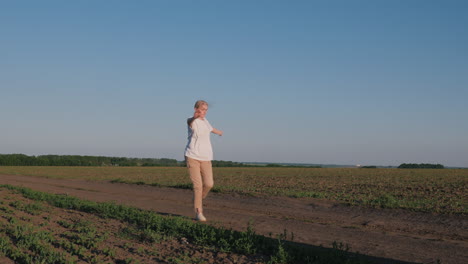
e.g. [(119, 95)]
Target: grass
[(427, 190), (85, 239)]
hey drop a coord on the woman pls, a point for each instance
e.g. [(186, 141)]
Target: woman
[(199, 154)]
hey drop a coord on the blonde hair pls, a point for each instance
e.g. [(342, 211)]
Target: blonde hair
[(199, 103)]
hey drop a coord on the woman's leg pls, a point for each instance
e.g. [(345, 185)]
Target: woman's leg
[(195, 175), (207, 175)]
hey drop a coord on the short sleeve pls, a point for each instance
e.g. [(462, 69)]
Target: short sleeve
[(209, 125)]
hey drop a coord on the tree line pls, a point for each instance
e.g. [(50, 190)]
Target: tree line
[(77, 160), (420, 166)]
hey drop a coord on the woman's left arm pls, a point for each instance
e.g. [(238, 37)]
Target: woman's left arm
[(217, 132)]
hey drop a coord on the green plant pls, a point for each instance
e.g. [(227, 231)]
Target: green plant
[(83, 239), (281, 256)]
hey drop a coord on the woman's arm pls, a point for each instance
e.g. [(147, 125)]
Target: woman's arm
[(196, 114), (217, 132), (190, 121)]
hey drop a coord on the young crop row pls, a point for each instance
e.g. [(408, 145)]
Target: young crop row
[(37, 227), (428, 190)]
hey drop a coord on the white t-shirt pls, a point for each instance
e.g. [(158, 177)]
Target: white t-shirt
[(199, 144)]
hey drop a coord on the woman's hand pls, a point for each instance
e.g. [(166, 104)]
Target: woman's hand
[(217, 132)]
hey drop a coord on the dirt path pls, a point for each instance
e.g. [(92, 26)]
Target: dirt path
[(393, 236)]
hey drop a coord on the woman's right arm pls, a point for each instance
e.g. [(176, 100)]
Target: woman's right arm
[(190, 121), (196, 114)]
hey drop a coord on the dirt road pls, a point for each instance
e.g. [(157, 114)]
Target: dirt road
[(393, 236)]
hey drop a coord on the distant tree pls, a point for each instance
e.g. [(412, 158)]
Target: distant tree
[(274, 165), (76, 160), (420, 166), (222, 163)]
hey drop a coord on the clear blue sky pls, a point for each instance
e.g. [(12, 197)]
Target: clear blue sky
[(330, 82)]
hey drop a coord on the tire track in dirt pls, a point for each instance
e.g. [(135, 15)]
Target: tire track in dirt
[(390, 235)]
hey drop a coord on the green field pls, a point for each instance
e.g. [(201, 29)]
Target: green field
[(43, 228), (428, 190)]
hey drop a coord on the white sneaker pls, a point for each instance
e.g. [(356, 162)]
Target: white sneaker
[(200, 217)]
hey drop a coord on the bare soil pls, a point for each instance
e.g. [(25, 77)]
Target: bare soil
[(385, 235)]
